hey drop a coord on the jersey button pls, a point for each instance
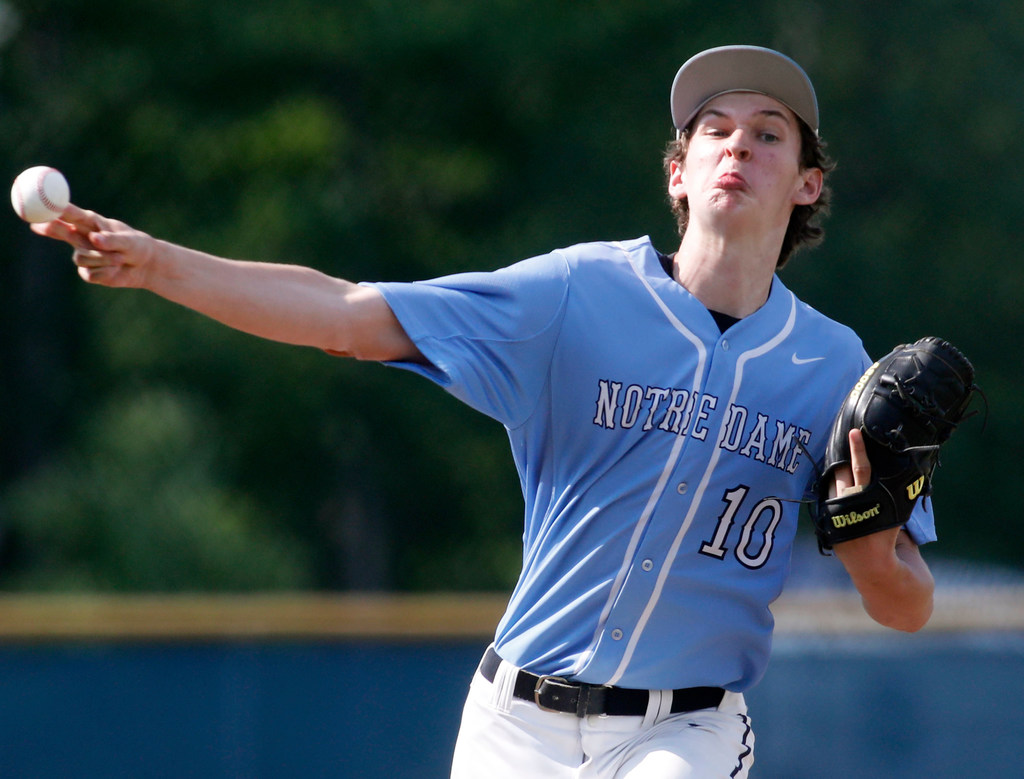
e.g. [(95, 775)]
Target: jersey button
[(617, 634), (725, 346), (647, 565), (681, 488)]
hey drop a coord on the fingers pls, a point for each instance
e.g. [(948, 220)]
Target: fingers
[(842, 481), (106, 251), (853, 478), (105, 275), (84, 221), (91, 236), (81, 221), (112, 259), (62, 231), (75, 227), (76, 215), (91, 258), (860, 466)]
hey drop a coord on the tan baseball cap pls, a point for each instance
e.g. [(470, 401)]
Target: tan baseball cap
[(725, 69)]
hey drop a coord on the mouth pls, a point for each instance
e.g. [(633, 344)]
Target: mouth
[(731, 181)]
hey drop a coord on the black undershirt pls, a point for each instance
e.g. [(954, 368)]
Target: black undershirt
[(724, 321)]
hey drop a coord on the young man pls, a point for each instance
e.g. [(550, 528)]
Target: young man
[(665, 415)]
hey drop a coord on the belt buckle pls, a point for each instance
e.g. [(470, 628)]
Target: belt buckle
[(580, 697), (541, 681)]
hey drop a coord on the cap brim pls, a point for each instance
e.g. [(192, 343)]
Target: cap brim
[(726, 69)]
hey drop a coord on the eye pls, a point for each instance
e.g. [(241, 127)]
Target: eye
[(769, 137)]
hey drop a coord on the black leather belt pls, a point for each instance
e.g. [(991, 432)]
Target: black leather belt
[(553, 693)]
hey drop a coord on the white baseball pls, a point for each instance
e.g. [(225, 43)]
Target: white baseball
[(40, 194)]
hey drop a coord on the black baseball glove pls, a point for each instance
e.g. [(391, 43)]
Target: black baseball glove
[(907, 405)]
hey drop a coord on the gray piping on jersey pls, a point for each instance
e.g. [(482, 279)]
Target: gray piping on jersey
[(666, 473), (699, 494)]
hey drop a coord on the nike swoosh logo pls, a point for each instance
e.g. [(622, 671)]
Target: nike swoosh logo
[(800, 361)]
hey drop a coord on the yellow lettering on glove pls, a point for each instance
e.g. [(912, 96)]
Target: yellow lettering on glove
[(843, 520)]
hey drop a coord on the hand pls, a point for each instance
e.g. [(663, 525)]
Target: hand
[(854, 477), (106, 251)]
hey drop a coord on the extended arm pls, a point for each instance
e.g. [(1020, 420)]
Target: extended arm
[(285, 303), (887, 569)]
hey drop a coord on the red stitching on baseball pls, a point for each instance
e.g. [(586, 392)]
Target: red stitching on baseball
[(50, 205)]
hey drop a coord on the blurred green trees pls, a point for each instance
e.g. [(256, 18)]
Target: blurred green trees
[(147, 448)]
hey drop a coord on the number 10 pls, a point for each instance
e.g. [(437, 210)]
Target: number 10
[(770, 509)]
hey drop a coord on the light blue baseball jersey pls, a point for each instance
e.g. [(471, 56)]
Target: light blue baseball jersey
[(662, 461)]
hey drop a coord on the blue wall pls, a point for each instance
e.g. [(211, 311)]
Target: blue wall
[(899, 707), (921, 706)]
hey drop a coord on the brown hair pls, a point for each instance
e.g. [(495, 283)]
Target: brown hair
[(804, 224)]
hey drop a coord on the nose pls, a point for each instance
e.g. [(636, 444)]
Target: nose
[(738, 146)]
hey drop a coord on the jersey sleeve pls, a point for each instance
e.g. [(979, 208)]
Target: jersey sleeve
[(921, 525), (490, 336)]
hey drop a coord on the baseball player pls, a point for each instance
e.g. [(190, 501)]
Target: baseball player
[(665, 412)]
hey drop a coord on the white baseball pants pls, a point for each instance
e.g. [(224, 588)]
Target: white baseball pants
[(503, 737)]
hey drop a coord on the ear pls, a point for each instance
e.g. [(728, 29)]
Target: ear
[(811, 182), (676, 181)]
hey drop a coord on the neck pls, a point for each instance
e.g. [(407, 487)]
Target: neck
[(730, 276)]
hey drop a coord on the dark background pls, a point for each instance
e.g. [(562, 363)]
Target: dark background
[(147, 449)]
